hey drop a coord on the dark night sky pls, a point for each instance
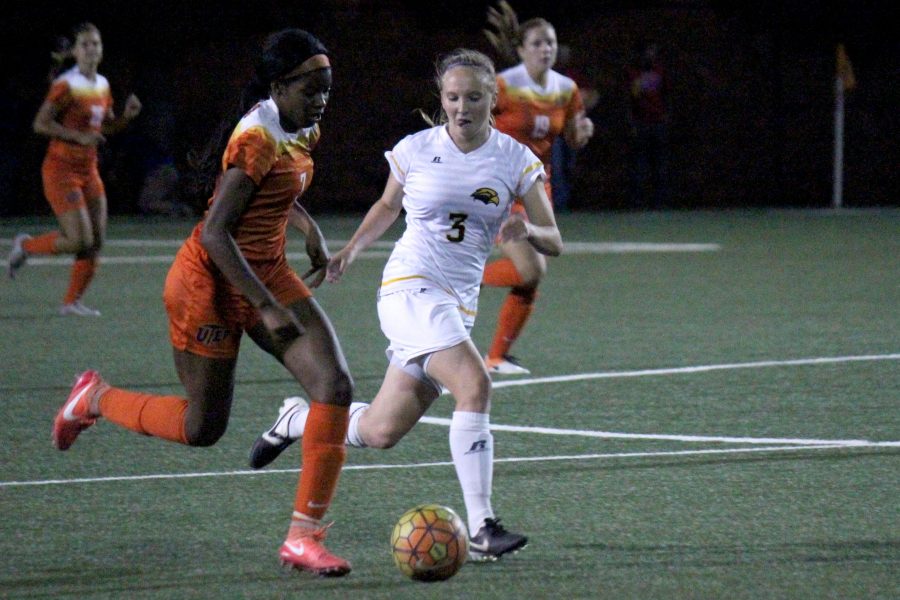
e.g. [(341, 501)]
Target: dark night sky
[(169, 52)]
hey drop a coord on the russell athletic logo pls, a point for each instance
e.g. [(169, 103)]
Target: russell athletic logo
[(486, 195), (209, 335)]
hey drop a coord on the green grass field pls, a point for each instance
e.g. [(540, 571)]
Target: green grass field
[(713, 412)]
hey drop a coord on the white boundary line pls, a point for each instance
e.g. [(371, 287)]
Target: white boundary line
[(569, 457), (795, 444), (379, 250), (825, 360), (660, 437)]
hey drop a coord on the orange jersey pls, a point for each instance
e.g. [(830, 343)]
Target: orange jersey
[(83, 105), (532, 114), (279, 163)]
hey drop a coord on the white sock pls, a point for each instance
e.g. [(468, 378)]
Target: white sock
[(297, 424), (472, 447), (353, 438)]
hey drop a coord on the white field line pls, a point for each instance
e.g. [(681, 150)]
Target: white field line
[(825, 360), (659, 437), (379, 467), (378, 250), (795, 443)]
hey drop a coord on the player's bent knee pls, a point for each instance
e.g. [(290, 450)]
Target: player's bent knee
[(532, 275), (204, 435), (333, 388), (343, 388), (383, 437)]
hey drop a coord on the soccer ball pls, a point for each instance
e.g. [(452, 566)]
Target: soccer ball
[(430, 543)]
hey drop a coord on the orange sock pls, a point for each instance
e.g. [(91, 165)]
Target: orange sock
[(82, 273), (501, 273), (514, 313), (323, 457), (42, 244), (159, 416)]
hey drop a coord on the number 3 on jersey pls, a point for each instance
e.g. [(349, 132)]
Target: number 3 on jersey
[(458, 227)]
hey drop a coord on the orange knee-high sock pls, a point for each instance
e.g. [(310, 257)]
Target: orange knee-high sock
[(82, 272), (514, 313), (159, 416), (323, 457), (501, 273), (42, 244)]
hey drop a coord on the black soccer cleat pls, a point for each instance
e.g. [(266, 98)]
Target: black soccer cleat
[(493, 541), (273, 442)]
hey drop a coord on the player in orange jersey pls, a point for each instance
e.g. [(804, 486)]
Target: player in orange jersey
[(232, 276), (535, 105), (76, 115)]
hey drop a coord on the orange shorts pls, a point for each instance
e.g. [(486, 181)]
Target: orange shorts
[(208, 315), (68, 186)]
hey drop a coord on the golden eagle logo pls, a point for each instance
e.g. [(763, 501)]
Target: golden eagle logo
[(486, 195)]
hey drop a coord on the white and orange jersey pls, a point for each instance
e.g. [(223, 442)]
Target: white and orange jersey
[(281, 166), (455, 202), (81, 104), (533, 114)]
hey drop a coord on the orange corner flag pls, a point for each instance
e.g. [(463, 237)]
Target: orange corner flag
[(845, 69)]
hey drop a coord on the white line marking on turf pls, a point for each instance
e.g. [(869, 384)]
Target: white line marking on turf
[(797, 444), (824, 360), (657, 436), (659, 454), (379, 250)]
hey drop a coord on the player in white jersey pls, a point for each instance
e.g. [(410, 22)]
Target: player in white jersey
[(456, 182)]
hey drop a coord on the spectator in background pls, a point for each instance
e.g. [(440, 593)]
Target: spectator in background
[(563, 155), (648, 97)]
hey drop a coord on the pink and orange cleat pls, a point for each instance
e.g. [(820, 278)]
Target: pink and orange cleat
[(74, 416), (306, 553)]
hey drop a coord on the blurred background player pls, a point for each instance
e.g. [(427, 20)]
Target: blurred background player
[(535, 105), (648, 102), (456, 182), (76, 115), (231, 276), (564, 157)]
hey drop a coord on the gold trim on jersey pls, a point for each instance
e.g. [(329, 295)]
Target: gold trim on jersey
[(390, 156), (406, 278), (518, 94), (462, 308), (529, 169)]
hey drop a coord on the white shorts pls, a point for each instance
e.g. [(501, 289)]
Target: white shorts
[(419, 322)]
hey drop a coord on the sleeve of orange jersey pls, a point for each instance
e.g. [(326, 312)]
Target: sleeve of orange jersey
[(59, 95), (252, 151)]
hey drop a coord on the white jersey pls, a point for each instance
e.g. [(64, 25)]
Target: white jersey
[(455, 203)]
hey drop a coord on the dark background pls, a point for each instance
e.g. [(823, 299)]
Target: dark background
[(752, 99)]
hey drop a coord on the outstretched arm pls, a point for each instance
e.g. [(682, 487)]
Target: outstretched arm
[(381, 216)]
